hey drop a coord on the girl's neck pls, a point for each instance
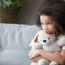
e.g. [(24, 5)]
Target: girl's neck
[(57, 33)]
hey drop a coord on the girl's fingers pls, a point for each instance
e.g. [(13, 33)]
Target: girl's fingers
[(29, 51), (29, 55), (35, 40)]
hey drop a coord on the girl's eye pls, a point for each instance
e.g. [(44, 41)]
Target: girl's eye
[(49, 23)]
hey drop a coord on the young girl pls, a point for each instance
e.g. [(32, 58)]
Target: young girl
[(51, 17)]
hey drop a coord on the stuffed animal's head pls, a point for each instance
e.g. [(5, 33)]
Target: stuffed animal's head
[(45, 38)]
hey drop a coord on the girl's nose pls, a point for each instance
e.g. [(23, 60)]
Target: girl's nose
[(45, 27)]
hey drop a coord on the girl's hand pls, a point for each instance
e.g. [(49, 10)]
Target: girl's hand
[(37, 58), (33, 53)]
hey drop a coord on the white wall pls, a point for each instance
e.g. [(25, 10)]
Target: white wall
[(27, 15)]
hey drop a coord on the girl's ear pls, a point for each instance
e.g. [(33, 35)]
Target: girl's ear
[(35, 40)]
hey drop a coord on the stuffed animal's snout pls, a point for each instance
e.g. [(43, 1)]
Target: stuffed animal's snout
[(45, 41)]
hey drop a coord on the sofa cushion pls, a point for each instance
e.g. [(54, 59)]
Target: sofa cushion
[(14, 43)]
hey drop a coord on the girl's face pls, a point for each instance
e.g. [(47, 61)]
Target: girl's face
[(48, 25)]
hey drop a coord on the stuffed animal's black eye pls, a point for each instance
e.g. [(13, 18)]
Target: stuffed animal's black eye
[(48, 38)]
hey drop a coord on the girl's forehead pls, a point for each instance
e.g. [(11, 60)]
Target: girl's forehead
[(45, 18)]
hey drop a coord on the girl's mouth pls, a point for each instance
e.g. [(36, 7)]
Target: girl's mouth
[(48, 32)]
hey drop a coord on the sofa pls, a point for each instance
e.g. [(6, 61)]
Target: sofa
[(14, 43)]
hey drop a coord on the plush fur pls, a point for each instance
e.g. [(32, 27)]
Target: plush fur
[(49, 43)]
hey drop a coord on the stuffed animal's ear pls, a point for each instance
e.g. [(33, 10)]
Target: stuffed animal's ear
[(35, 40)]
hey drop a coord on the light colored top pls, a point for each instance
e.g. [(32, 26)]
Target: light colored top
[(63, 47)]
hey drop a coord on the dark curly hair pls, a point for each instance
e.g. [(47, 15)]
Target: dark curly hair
[(55, 9)]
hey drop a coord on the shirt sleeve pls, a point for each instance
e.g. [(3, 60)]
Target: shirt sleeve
[(63, 47)]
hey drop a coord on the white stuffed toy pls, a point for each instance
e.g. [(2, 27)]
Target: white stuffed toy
[(49, 43)]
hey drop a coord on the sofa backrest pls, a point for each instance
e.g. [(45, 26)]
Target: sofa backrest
[(14, 43)]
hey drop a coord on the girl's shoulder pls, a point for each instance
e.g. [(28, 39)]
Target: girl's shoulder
[(62, 38)]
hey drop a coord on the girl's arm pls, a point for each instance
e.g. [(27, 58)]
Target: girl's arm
[(56, 57), (37, 58)]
